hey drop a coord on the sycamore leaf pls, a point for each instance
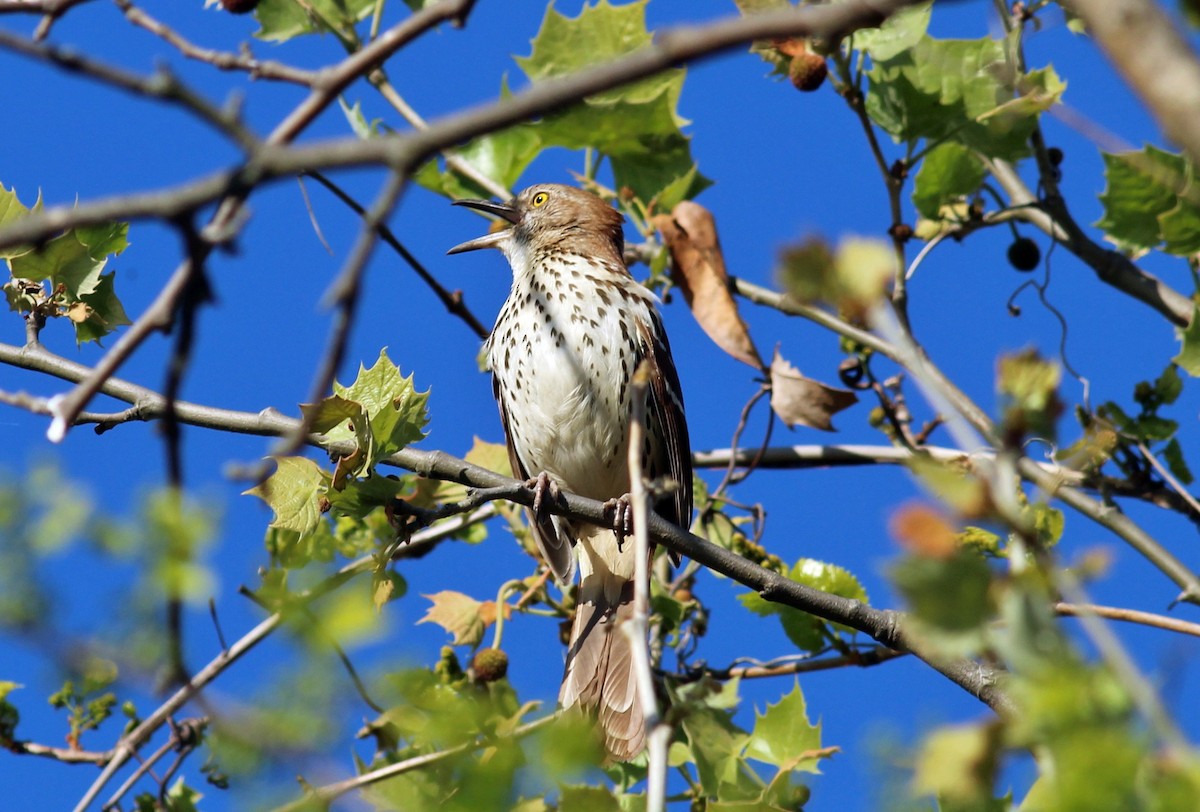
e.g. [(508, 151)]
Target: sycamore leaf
[(105, 312), (715, 744), (501, 156), (1173, 454), (396, 411), (947, 595), (803, 401), (461, 615), (963, 90), (587, 799), (636, 126), (358, 121), (340, 420), (699, 272), (280, 20), (828, 578), (783, 732), (65, 261), (951, 482), (808, 632), (103, 239), (294, 493), (1189, 353), (386, 585), (357, 497), (958, 763), (12, 209), (1143, 202), (948, 173), (898, 33), (1028, 388)]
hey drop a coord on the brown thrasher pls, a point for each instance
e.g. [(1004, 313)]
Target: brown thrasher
[(573, 330)]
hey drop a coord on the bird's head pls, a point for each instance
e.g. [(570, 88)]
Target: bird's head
[(548, 215)]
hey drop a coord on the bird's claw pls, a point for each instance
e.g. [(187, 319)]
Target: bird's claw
[(543, 486), (622, 518)]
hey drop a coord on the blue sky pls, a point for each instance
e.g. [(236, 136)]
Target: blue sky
[(785, 165)]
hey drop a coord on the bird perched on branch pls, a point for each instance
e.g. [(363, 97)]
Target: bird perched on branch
[(564, 349)]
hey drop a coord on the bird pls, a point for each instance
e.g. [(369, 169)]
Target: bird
[(568, 339)]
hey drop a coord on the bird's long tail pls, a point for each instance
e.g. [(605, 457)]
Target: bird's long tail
[(600, 676)]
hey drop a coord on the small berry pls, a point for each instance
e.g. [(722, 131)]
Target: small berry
[(1054, 155), (1024, 254), (807, 72), (239, 6), (489, 665)]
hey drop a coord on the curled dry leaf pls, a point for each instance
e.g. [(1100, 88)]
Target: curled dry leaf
[(802, 401), (923, 531), (699, 271), (460, 615)]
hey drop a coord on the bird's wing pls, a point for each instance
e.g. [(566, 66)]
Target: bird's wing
[(664, 413), (555, 547)]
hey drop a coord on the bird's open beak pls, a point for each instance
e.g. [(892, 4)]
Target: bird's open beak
[(505, 210)]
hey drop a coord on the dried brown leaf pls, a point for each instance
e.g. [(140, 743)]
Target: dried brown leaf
[(802, 401), (698, 270), (923, 531)]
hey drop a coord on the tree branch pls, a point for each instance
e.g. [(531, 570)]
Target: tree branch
[(1148, 49), (1112, 268)]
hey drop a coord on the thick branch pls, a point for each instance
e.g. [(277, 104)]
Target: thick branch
[(882, 625), (405, 152), (1148, 49), (1113, 268)]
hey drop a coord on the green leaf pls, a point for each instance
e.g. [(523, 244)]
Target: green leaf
[(359, 497), (808, 632), (899, 32), (294, 493), (963, 90), (783, 736), (1173, 454), (397, 412), (1028, 389), (588, 799), (1142, 186), (64, 261), (103, 239), (715, 744), (11, 210), (637, 125), (1169, 386), (501, 156), (1189, 353), (828, 578), (948, 173), (599, 34), (959, 763), (105, 312), (946, 594), (280, 20), (1048, 522), (358, 122)]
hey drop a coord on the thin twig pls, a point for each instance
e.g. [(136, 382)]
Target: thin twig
[(222, 60), (636, 628), (453, 301), (329, 792), (1166, 474)]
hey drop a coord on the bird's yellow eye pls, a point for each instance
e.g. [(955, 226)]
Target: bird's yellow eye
[(539, 199)]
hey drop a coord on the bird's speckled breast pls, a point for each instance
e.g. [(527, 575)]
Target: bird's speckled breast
[(563, 369)]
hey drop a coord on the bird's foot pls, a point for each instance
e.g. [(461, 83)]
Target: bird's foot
[(622, 518), (543, 488)]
